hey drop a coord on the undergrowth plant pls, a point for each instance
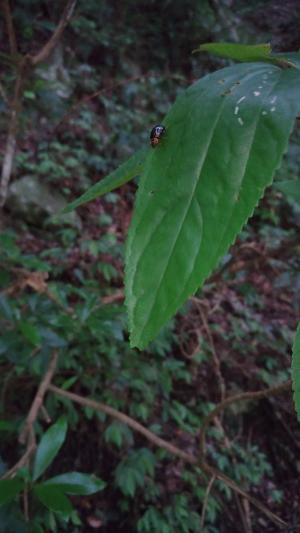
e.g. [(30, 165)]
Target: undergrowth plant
[(225, 137)]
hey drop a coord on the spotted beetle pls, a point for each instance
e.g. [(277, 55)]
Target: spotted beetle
[(156, 134)]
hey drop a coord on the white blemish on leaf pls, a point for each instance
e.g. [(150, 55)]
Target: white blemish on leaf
[(236, 109), (241, 122), (260, 86), (273, 99), (256, 93), (264, 113), (241, 99), (272, 109)]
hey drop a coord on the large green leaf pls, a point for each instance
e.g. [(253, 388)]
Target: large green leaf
[(225, 137), (76, 483), (49, 446), (9, 488), (53, 498), (124, 173), (296, 371)]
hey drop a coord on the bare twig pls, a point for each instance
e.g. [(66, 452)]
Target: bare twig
[(210, 470), (10, 147), (216, 361), (46, 415), (157, 441), (220, 475), (22, 461), (205, 502), (27, 434), (38, 399), (243, 524), (125, 419), (3, 94), (239, 501), (256, 395), (214, 415), (15, 107), (24, 65), (226, 442), (247, 514), (44, 53), (227, 445), (9, 27)]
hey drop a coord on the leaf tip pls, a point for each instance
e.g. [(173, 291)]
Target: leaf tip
[(136, 342), (69, 207), (65, 210)]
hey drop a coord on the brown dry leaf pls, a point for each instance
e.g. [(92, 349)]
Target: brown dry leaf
[(26, 279), (37, 281)]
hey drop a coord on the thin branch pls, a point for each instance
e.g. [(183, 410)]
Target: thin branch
[(227, 445), (210, 470), (25, 64), (215, 357), (9, 27), (125, 419), (214, 416), (10, 147), (44, 53), (3, 94), (157, 441), (256, 395), (38, 399), (27, 434), (205, 502), (22, 461), (247, 515), (46, 415)]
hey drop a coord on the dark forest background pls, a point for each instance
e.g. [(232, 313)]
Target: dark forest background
[(114, 74)]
